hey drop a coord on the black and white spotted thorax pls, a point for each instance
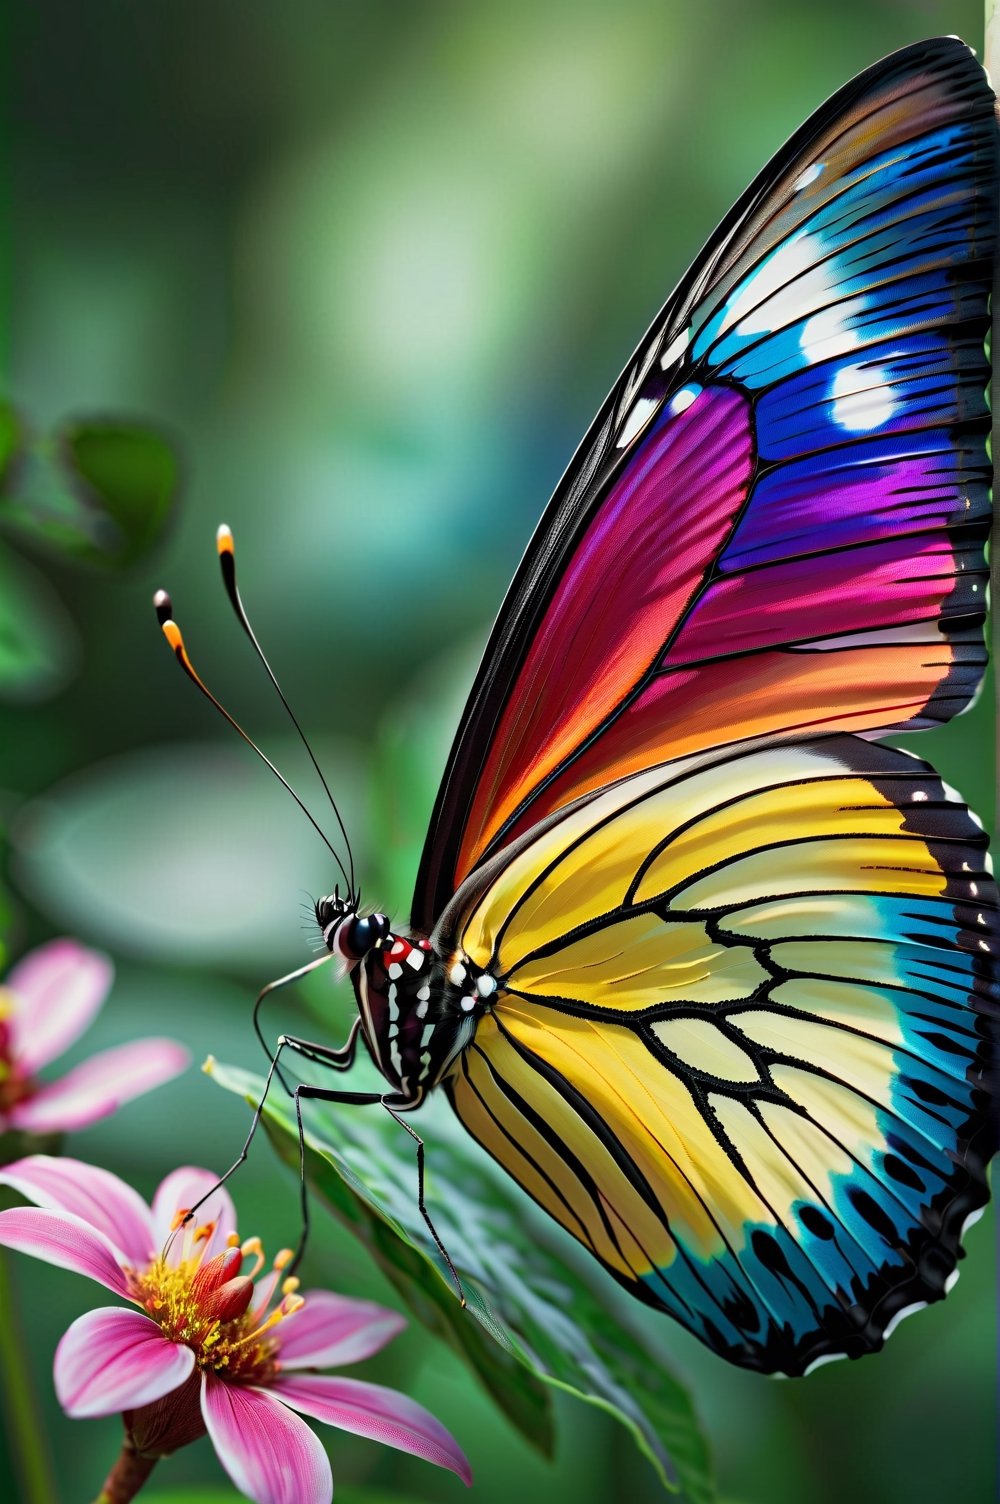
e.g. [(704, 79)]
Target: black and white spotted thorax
[(419, 1009)]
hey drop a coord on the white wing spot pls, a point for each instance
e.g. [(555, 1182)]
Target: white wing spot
[(682, 400), (860, 400), (810, 175), (675, 349), (636, 421), (826, 335), (773, 296)]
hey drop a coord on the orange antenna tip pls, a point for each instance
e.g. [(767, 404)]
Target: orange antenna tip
[(172, 632)]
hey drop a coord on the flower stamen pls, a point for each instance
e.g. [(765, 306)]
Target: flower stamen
[(255, 1247), (282, 1259), (205, 1302), (288, 1307)]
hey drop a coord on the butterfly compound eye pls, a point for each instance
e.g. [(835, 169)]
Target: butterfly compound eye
[(366, 931)]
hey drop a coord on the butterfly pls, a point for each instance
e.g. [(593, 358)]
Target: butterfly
[(707, 968)]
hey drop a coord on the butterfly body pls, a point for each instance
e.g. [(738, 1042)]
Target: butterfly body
[(418, 1006)]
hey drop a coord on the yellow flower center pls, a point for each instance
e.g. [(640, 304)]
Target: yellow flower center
[(209, 1306)]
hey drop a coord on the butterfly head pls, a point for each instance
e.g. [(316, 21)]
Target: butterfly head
[(346, 932)]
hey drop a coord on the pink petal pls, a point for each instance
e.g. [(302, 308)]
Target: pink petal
[(181, 1191), (96, 1196), (59, 987), (371, 1410), (99, 1086), (331, 1330), (269, 1453), (62, 1239), (112, 1360)]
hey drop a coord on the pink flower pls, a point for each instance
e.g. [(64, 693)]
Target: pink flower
[(208, 1349), (49, 999)]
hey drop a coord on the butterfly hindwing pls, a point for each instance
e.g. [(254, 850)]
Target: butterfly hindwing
[(776, 525), (745, 1039)]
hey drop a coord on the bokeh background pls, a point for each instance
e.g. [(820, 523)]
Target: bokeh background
[(374, 267)]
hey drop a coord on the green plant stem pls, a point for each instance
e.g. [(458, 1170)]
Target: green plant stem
[(20, 1409)]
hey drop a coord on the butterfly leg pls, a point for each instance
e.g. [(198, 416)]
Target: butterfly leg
[(319, 1094), (420, 1196), (361, 1099), (285, 981), (339, 1059)]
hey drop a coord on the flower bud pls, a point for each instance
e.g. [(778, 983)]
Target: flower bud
[(229, 1300), (225, 1266)]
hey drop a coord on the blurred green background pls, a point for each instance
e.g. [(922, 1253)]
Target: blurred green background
[(374, 267)]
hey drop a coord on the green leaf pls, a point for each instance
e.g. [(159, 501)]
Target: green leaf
[(11, 443), (127, 476), (532, 1320), (38, 643)]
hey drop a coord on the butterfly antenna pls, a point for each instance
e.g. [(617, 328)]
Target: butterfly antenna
[(227, 560), (172, 632)]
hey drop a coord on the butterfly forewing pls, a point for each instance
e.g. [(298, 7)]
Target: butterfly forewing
[(776, 524)]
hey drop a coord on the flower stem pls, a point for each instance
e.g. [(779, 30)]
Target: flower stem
[(21, 1419), (126, 1477)]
